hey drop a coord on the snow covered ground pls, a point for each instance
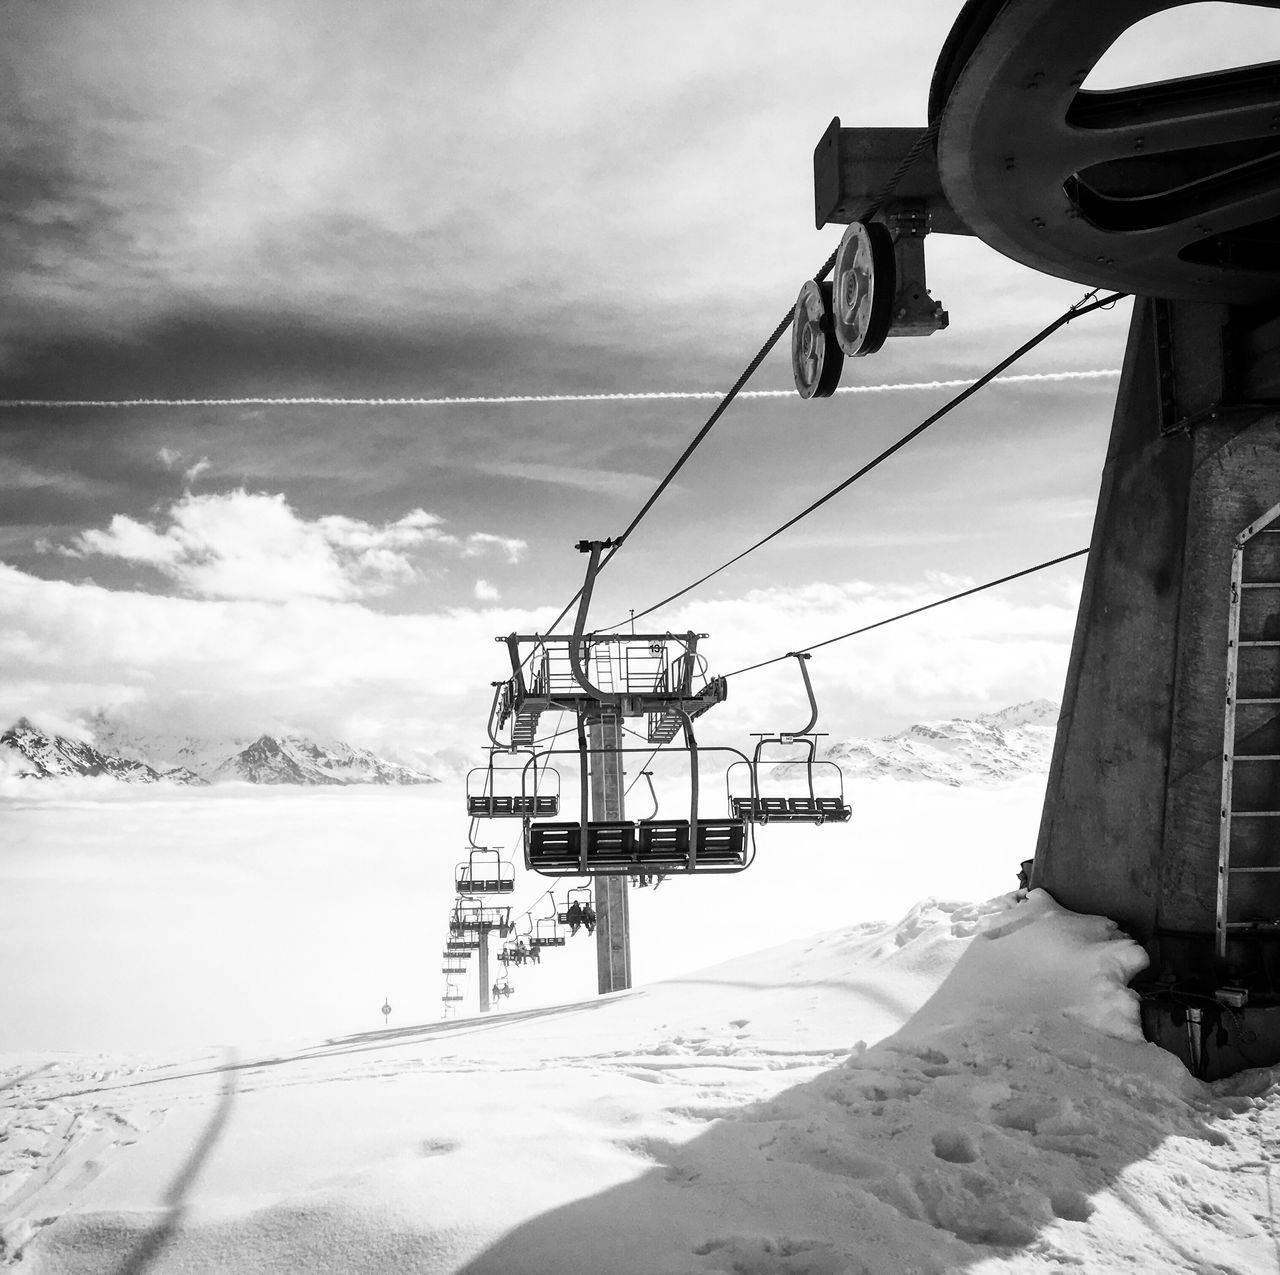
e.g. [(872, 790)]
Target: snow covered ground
[(964, 1088)]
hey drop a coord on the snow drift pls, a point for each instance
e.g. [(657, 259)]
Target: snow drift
[(967, 1089)]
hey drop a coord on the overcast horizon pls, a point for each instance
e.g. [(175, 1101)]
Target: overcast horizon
[(208, 201)]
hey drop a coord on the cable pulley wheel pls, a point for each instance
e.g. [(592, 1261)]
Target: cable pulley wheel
[(862, 288), (816, 359)]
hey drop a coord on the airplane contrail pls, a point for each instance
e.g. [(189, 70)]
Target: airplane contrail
[(498, 399)]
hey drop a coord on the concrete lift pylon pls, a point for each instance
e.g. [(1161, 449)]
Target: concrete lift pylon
[(1163, 804)]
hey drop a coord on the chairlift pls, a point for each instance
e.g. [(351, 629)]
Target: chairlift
[(584, 900), (546, 930), (502, 988), (511, 792), (463, 946), (453, 968), (451, 993), (475, 917), (648, 847), (484, 872), (546, 933), (798, 789)]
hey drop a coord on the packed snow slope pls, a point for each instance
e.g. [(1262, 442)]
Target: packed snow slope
[(964, 1090)]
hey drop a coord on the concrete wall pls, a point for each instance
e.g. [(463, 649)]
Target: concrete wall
[(1131, 817)]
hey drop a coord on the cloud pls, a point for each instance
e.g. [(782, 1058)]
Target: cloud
[(421, 683), (479, 543), (605, 482), (203, 465), (485, 592), (19, 475), (168, 456), (319, 665), (255, 546)]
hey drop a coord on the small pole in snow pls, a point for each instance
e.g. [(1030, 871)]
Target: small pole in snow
[(386, 1010)]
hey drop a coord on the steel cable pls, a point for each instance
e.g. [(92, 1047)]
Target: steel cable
[(1082, 307)]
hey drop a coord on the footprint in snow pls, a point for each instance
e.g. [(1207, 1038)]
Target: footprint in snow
[(955, 1145), (768, 1255), (436, 1146)]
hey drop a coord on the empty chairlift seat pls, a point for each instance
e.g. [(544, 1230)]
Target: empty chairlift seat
[(799, 790), (511, 805), (484, 873), (791, 809), (513, 792), (619, 847)]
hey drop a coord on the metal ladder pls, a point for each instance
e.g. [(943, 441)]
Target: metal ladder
[(1249, 828)]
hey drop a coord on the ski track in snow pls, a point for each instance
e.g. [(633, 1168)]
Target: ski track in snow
[(683, 1129)]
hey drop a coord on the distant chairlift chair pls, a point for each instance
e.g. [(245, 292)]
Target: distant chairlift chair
[(484, 873), (512, 792), (795, 790)]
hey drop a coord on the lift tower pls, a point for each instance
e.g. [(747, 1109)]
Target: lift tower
[(1163, 804), (472, 921), (602, 679)]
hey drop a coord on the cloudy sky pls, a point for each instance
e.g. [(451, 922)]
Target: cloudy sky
[(209, 199)]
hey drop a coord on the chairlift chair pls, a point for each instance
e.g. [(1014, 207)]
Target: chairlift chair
[(546, 933), (650, 846), (755, 788), (471, 916), (562, 914), (511, 792), (451, 993), (484, 872), (453, 969)]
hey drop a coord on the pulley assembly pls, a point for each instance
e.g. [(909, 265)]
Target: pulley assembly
[(877, 291)]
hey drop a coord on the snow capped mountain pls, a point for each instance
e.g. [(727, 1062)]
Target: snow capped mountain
[(165, 750), (990, 748), (291, 760), (35, 755), (188, 759)]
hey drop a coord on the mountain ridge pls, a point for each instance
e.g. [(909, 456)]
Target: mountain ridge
[(129, 757), (989, 748)]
